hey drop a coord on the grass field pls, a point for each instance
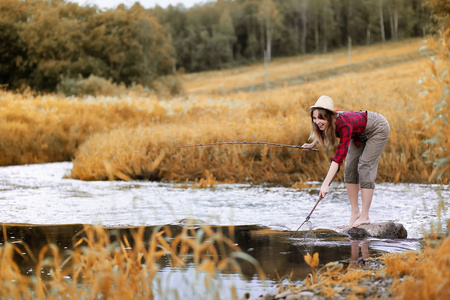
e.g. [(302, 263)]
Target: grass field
[(135, 137)]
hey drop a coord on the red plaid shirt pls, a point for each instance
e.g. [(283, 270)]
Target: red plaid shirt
[(349, 124)]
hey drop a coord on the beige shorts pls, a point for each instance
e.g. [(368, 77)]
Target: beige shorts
[(361, 163)]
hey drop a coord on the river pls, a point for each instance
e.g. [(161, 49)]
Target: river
[(42, 194)]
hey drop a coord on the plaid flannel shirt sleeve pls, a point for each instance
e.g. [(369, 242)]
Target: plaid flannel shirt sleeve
[(345, 134)]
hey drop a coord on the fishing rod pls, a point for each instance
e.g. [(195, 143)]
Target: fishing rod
[(309, 216), (245, 143)]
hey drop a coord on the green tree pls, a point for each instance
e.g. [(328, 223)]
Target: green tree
[(382, 31), (176, 23), (53, 42), (225, 35), (130, 46), (327, 23), (269, 19), (12, 48), (295, 25), (251, 25), (156, 53)]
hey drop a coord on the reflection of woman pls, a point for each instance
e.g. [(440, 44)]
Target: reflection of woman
[(362, 137), (355, 252)]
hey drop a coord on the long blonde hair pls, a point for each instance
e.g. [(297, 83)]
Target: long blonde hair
[(326, 138)]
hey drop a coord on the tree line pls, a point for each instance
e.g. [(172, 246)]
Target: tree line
[(224, 33), (43, 42)]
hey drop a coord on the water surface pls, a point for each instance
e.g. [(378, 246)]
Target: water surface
[(40, 194)]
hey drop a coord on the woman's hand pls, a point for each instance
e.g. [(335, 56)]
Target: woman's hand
[(307, 147), (324, 190)]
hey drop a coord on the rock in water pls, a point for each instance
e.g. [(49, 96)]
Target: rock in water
[(385, 230)]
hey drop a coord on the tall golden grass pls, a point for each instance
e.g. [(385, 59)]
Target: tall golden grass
[(137, 138), (49, 128), (278, 116), (437, 86), (99, 267)]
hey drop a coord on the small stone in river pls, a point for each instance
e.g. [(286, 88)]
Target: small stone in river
[(246, 296), (266, 297)]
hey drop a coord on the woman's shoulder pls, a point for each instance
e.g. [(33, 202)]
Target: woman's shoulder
[(346, 112), (343, 114)]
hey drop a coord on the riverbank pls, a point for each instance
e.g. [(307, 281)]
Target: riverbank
[(423, 274)]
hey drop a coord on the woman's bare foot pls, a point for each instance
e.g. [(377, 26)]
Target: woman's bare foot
[(353, 218), (360, 222), (344, 226)]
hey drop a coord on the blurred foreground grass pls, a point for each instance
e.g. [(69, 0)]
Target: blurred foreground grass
[(102, 265)]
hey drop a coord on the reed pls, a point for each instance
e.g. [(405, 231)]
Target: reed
[(101, 266), (437, 87), (278, 116), (137, 138), (49, 128)]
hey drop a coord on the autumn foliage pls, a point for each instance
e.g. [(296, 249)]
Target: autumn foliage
[(135, 137)]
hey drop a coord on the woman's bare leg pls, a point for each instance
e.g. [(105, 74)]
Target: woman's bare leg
[(366, 196), (353, 191)]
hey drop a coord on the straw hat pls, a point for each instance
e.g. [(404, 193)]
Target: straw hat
[(324, 102)]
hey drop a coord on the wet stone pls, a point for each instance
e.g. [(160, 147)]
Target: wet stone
[(327, 233), (267, 297), (385, 230)]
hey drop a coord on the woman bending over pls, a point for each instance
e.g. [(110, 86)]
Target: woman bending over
[(362, 136)]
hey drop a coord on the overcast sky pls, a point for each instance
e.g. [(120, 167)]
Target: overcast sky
[(104, 4)]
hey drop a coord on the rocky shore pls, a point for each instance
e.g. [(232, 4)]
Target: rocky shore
[(369, 280), (374, 286)]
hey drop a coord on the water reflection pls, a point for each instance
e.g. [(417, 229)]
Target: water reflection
[(355, 259), (277, 253)]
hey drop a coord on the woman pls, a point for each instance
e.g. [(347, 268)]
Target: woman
[(362, 137)]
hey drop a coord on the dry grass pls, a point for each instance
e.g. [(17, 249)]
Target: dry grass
[(99, 267), (421, 275), (137, 138), (38, 129), (437, 87), (278, 116), (226, 80)]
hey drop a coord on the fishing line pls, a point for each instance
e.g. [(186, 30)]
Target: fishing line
[(239, 143)]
